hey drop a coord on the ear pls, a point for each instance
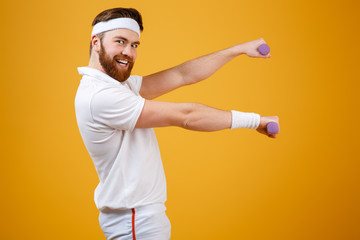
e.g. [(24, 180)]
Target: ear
[(95, 41)]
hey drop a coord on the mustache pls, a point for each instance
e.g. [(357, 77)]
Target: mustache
[(124, 57)]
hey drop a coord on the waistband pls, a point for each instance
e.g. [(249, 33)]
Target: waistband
[(148, 209)]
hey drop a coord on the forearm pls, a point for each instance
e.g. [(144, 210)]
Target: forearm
[(203, 67), (204, 118), (200, 117)]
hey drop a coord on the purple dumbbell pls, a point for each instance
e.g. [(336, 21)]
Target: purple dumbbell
[(264, 49), (272, 127)]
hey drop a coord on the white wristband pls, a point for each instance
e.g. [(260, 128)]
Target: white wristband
[(245, 120)]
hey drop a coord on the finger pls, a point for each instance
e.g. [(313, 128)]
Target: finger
[(273, 135)]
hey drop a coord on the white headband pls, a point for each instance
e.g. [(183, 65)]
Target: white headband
[(116, 23)]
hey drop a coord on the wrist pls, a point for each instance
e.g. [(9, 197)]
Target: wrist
[(244, 120), (239, 49)]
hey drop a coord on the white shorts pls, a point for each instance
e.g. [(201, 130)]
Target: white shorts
[(143, 223)]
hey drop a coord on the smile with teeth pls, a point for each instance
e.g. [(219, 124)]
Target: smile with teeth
[(123, 63)]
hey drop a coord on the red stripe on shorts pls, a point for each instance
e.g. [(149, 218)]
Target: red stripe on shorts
[(133, 224)]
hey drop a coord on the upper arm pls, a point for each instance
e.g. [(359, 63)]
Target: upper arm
[(159, 83), (163, 114)]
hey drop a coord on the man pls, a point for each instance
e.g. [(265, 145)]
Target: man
[(116, 117)]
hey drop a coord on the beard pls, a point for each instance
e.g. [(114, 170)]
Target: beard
[(110, 65)]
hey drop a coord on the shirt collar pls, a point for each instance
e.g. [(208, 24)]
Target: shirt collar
[(92, 72)]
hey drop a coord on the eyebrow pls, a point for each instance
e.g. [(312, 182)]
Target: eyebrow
[(126, 40)]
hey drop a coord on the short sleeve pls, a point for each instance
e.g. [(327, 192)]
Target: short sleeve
[(135, 82), (117, 107)]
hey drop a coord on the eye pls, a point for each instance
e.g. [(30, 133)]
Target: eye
[(134, 45), (120, 41)]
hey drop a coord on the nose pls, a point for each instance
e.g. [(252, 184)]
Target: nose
[(127, 51)]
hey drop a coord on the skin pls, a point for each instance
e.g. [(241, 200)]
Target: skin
[(123, 43)]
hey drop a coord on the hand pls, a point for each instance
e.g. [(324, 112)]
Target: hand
[(264, 122), (250, 48)]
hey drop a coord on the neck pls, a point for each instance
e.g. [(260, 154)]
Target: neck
[(94, 62)]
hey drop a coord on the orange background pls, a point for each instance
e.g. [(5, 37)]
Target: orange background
[(224, 185)]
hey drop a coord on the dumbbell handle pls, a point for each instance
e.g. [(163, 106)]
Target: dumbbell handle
[(272, 127)]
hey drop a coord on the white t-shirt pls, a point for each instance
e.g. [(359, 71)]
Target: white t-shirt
[(127, 159)]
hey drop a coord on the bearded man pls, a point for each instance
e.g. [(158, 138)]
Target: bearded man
[(116, 116)]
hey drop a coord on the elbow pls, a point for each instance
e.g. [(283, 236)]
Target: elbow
[(188, 116), (189, 80)]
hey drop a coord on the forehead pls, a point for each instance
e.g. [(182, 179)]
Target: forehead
[(122, 33)]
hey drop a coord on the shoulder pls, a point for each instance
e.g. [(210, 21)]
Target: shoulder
[(115, 96)]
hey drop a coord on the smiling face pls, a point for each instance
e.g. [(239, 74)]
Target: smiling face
[(118, 52)]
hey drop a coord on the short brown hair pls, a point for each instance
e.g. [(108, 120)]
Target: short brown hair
[(117, 13)]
